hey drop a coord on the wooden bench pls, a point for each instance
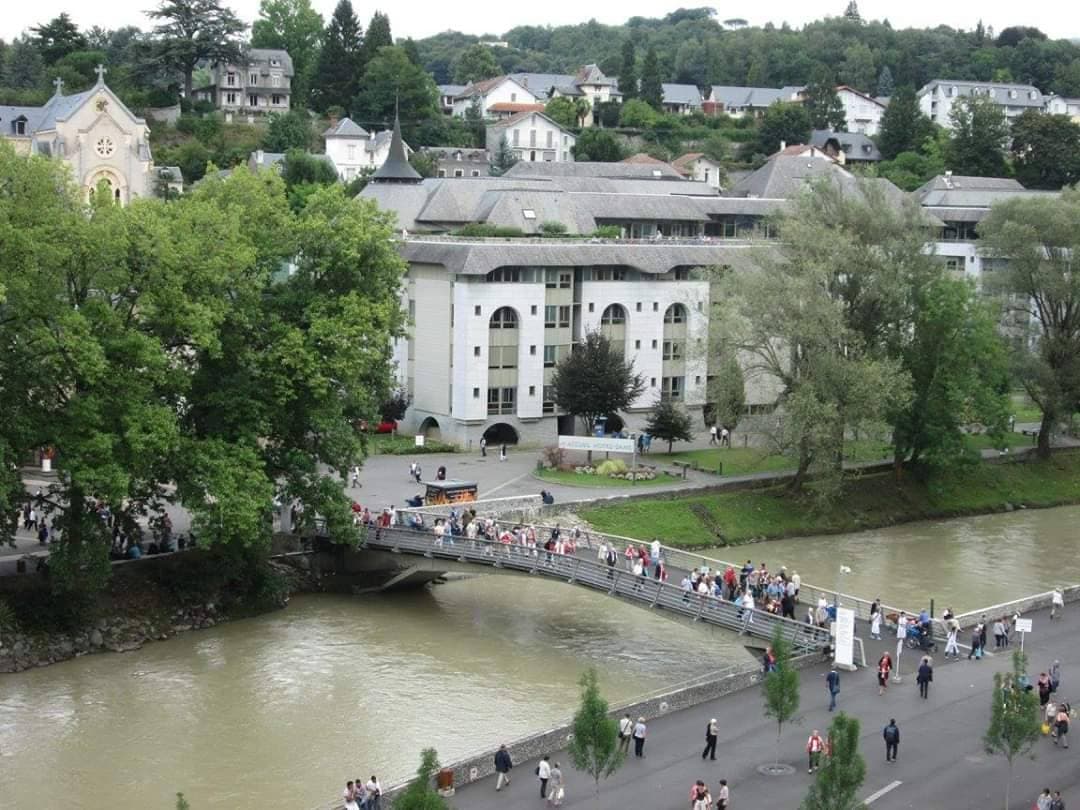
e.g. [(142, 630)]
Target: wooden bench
[(683, 467)]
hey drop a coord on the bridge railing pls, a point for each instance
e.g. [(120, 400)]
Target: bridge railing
[(686, 560), (612, 580)]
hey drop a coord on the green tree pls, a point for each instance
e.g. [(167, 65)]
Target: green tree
[(903, 126), (181, 802), (57, 38), (780, 687), (377, 37), (338, 68), (824, 108), (858, 69), (420, 794), (598, 145), (595, 380), (594, 747), (392, 82), (304, 174), (1037, 239), (783, 122), (475, 64), (295, 27), (670, 423), (885, 84), (25, 68), (503, 159), (628, 78), (285, 131), (1046, 150), (637, 114), (652, 90), (978, 138), (1014, 717), (838, 781), (727, 393), (193, 31), (562, 111), (474, 121)]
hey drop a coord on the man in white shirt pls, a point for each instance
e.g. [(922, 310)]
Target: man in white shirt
[(626, 728), (654, 551), (712, 435), (543, 773), (374, 793), (748, 611), (722, 795), (1057, 603)]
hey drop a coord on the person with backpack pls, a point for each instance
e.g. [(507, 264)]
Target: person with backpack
[(626, 729), (1061, 724), (891, 733), (814, 746), (712, 730)]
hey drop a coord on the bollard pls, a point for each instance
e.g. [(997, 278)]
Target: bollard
[(720, 468), (931, 607)]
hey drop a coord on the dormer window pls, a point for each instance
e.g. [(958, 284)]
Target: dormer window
[(1012, 94), (952, 91), (275, 63), (1031, 94), (18, 126)]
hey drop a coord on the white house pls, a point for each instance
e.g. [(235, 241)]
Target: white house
[(533, 137), (1058, 105), (95, 134), (937, 98), (353, 150), (861, 112), (699, 166), (500, 90)]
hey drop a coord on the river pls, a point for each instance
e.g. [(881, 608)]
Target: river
[(963, 563), (278, 711)]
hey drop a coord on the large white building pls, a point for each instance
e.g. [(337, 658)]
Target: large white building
[(936, 98), (533, 137)]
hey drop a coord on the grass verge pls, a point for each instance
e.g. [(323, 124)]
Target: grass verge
[(868, 502), (387, 444), (574, 479)]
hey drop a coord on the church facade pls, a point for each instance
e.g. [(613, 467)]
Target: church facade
[(106, 146)]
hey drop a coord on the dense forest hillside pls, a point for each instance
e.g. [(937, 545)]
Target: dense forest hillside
[(694, 47)]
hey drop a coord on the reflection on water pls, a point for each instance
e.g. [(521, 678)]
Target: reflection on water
[(965, 563), (278, 711)]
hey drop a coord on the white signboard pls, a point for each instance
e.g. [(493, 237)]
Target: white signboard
[(419, 439), (845, 638), (1023, 625), (593, 443)]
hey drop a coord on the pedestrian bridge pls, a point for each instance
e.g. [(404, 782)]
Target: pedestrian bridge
[(422, 556)]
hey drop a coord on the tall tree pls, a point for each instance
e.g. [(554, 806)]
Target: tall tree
[(652, 90), (727, 393), (1037, 241), (978, 138), (838, 781), (595, 380), (1046, 150), (670, 423), (783, 122), (193, 31), (885, 85), (628, 78), (293, 26), (474, 121), (780, 687), (598, 145), (392, 82), (903, 126), (852, 11), (503, 159), (1014, 717), (594, 747), (475, 64), (378, 36), (420, 793), (824, 107), (25, 67), (57, 38), (561, 110), (286, 131), (337, 71), (858, 69)]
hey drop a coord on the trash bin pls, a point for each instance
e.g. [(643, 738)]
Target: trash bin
[(445, 779)]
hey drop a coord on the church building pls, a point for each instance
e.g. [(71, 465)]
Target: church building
[(94, 133)]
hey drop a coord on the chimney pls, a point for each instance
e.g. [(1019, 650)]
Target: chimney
[(783, 145), (259, 158), (948, 178)]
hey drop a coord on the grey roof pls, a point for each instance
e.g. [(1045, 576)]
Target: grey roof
[(346, 128), (682, 94), (406, 200), (450, 153), (731, 96), (57, 108), (377, 140), (1027, 95), (451, 89), (261, 56), (975, 198), (539, 84), (396, 168), (591, 74), (592, 169), (270, 160), (517, 118), (8, 114), (171, 173), (856, 145), (481, 257), (783, 176)]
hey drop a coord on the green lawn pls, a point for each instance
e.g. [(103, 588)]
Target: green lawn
[(574, 479), (1024, 409), (876, 500)]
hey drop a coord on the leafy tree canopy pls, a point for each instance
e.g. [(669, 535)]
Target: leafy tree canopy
[(476, 63), (191, 31), (1046, 150), (783, 122), (291, 130), (670, 423), (978, 137), (340, 61), (392, 82), (595, 380), (598, 145)]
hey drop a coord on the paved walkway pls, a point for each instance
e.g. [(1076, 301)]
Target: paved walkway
[(941, 763)]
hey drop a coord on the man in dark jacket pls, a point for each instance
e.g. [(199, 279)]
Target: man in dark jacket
[(832, 681), (891, 733), (712, 730), (923, 678), (502, 767)]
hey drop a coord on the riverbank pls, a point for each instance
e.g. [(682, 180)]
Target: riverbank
[(869, 501)]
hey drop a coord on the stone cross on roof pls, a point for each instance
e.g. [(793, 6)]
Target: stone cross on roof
[(59, 84), (101, 71)]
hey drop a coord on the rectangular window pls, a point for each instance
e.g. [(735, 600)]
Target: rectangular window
[(230, 80), (500, 400), (654, 344), (681, 273), (532, 351), (551, 316), (591, 307), (550, 139), (532, 309), (671, 388), (655, 306), (609, 274), (673, 350), (549, 356), (352, 151), (637, 344), (532, 390), (275, 80), (459, 172), (564, 317), (516, 137), (275, 99), (230, 98), (476, 393), (532, 137), (505, 275), (697, 380), (548, 395), (502, 357), (652, 383), (475, 351), (639, 306), (253, 100), (476, 310), (253, 79)]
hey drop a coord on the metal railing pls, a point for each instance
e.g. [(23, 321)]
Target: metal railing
[(612, 580)]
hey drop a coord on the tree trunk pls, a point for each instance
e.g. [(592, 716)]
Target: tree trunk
[(188, 90), (804, 465), (669, 445), (1008, 786), (1045, 427)]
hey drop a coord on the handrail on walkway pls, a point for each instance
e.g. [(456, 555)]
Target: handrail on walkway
[(614, 581)]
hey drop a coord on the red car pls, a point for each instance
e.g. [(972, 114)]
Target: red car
[(388, 426)]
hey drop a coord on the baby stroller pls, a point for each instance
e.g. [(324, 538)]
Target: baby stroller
[(919, 638)]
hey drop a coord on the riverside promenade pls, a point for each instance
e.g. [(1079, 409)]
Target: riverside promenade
[(941, 762)]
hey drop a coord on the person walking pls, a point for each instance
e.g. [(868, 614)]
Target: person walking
[(976, 642), (723, 795), (1057, 803), (502, 453), (953, 631), (640, 730), (626, 731), (925, 676), (748, 611), (1043, 684), (1061, 725), (374, 793), (832, 682), (891, 733), (502, 767), (1057, 604), (884, 667), (556, 788), (354, 475), (1055, 675), (543, 773), (814, 746), (712, 434), (875, 620), (483, 447), (999, 634), (712, 729), (348, 796), (1043, 802)]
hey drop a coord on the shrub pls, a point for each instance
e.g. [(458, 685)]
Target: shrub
[(613, 466), (8, 622), (607, 232), (553, 457), (553, 229), (483, 229)]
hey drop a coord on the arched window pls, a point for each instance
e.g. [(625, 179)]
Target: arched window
[(502, 361), (504, 318), (614, 314), (613, 327), (676, 313)]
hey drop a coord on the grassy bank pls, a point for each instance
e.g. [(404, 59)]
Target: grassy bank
[(574, 479), (870, 501)]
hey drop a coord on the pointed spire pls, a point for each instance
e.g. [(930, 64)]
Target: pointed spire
[(396, 169)]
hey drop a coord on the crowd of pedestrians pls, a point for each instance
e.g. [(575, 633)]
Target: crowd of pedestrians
[(361, 795)]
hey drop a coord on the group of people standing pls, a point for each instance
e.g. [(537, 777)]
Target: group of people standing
[(360, 795)]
